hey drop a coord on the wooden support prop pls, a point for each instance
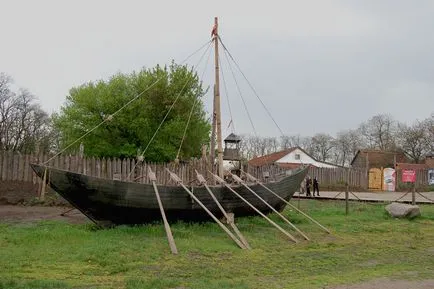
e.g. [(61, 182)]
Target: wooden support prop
[(221, 181), (288, 203), (174, 177), (230, 221), (346, 202), (413, 195), (43, 185), (172, 244), (241, 182)]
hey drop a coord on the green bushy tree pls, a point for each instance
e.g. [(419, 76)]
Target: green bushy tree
[(130, 130)]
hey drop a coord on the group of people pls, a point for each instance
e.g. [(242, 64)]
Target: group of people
[(307, 184)]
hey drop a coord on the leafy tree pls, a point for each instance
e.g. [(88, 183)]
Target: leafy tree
[(132, 128)]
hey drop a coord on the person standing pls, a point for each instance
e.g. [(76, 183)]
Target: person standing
[(315, 186), (308, 183)]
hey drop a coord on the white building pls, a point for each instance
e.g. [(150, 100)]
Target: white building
[(290, 158)]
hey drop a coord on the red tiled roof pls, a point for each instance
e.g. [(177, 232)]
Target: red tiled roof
[(271, 158)]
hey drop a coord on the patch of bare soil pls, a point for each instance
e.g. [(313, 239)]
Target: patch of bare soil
[(385, 283), (28, 214)]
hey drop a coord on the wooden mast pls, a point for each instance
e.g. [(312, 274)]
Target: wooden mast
[(217, 111)]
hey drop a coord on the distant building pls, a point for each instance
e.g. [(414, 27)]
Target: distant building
[(367, 159), (429, 160), (290, 159)]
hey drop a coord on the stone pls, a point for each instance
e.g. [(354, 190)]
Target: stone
[(398, 210)]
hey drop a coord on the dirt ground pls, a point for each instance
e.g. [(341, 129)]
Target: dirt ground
[(385, 283), (28, 214)]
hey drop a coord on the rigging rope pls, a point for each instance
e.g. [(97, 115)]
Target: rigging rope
[(110, 117), (167, 114), (232, 124), (241, 95), (192, 108), (251, 86), (226, 51)]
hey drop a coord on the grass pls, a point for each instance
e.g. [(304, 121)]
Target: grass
[(365, 245)]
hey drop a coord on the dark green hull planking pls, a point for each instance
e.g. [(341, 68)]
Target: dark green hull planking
[(112, 202)]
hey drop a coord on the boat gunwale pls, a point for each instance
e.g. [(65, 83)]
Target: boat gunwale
[(299, 170)]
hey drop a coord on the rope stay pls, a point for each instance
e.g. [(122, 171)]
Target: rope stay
[(231, 123), (240, 94), (110, 116), (192, 109), (251, 86), (141, 156), (227, 52)]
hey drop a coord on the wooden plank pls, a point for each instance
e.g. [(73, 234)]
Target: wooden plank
[(98, 168), (10, 166), (128, 170), (109, 174), (56, 161), (1, 164), (67, 163), (92, 167), (27, 167), (4, 175), (103, 168), (89, 166), (123, 169), (21, 160), (33, 160), (118, 167)]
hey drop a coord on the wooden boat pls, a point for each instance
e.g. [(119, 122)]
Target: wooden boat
[(111, 202)]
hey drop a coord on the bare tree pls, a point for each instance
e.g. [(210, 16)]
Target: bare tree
[(23, 123), (379, 132), (322, 144), (287, 142), (412, 140), (252, 146), (429, 128), (347, 143)]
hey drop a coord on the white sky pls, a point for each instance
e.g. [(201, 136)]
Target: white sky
[(320, 66)]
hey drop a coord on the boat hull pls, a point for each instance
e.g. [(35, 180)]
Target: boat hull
[(112, 202)]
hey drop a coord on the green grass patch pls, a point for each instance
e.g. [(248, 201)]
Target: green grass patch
[(366, 244)]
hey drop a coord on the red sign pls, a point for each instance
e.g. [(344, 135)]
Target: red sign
[(408, 176)]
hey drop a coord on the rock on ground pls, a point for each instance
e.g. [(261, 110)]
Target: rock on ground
[(398, 210)]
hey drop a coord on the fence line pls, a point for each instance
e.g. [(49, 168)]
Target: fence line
[(16, 167), (328, 177)]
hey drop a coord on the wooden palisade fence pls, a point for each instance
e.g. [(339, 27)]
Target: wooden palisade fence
[(16, 167), (329, 178)]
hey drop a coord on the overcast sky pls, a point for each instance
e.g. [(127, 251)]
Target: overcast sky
[(319, 66)]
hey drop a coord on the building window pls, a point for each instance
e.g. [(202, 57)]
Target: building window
[(297, 156)]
